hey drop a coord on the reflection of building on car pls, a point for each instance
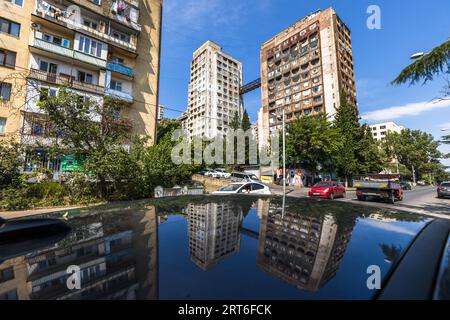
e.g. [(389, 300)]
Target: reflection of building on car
[(327, 189), (244, 188)]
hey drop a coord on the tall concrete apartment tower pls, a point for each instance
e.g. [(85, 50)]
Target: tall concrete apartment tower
[(99, 47), (305, 68), (213, 232), (213, 92)]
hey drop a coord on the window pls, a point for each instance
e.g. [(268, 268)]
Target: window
[(5, 91), (6, 274), (90, 46), (56, 40), (48, 67), (7, 58), (84, 77), (2, 127), (16, 2), (116, 85), (382, 127), (117, 60), (121, 36), (9, 27), (90, 24), (97, 2), (10, 295)]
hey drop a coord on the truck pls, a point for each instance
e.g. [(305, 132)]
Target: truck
[(382, 186)]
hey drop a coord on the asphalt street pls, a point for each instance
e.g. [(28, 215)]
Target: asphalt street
[(421, 200)]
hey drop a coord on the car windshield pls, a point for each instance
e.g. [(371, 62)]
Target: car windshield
[(231, 187), (446, 184), (323, 184), (257, 244), (253, 177)]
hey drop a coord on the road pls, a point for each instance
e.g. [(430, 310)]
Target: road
[(421, 200)]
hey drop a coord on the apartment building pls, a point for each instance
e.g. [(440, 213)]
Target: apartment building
[(117, 259), (380, 130), (213, 230), (97, 47), (304, 251), (213, 98), (160, 111), (305, 68)]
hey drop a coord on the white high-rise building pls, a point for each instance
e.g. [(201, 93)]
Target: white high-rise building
[(380, 130), (214, 87), (160, 111)]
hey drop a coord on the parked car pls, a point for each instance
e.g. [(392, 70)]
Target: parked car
[(242, 176), (244, 188), (221, 173), (405, 185), (444, 189), (202, 172), (327, 189)]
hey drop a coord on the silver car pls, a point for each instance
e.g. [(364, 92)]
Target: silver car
[(444, 189)]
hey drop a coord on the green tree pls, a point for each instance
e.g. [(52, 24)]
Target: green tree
[(413, 148), (311, 141), (368, 154), (10, 164), (236, 121), (87, 128), (245, 121), (426, 68), (346, 122)]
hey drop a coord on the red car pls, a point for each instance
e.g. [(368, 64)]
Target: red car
[(327, 189)]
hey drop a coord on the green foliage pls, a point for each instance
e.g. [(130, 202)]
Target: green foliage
[(311, 141), (236, 121), (425, 68), (245, 121), (10, 163), (414, 148), (359, 152)]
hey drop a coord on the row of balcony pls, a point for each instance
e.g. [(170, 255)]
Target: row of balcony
[(53, 13)]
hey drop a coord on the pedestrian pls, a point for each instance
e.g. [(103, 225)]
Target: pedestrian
[(298, 179)]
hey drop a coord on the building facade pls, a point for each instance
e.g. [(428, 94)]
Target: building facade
[(213, 232), (97, 47), (213, 98), (305, 68), (380, 130), (160, 112)]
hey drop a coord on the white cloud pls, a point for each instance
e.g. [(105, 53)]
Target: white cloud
[(410, 109)]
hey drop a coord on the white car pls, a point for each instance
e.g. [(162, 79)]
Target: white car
[(218, 173), (244, 188)]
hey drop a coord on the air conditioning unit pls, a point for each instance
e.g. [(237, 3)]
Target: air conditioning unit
[(35, 26)]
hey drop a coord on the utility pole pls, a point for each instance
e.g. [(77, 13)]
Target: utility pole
[(414, 176), (284, 155)]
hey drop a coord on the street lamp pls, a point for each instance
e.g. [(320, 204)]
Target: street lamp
[(418, 55)]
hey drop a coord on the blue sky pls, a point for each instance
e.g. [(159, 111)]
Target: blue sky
[(241, 26)]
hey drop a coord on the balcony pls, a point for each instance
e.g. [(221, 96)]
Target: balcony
[(55, 14), (125, 96), (66, 52), (62, 79), (115, 67), (125, 15)]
